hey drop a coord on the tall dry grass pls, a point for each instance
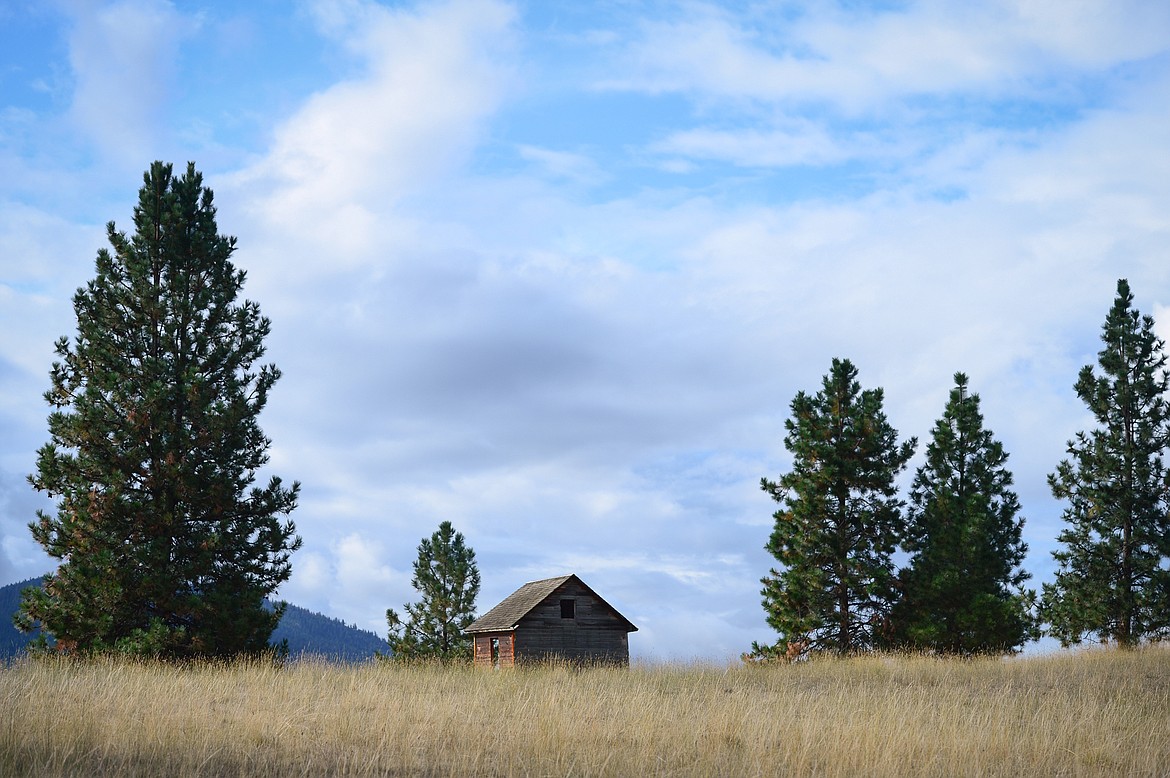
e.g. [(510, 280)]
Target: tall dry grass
[(1091, 713)]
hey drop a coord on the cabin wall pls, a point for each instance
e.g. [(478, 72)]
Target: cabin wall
[(501, 655), (594, 634)]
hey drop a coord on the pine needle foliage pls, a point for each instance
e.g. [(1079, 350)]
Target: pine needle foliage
[(962, 592), (165, 546), (1113, 580), (839, 524), (446, 576)]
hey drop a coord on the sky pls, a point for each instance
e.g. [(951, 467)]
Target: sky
[(554, 272)]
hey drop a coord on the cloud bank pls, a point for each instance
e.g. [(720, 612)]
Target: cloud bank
[(555, 274)]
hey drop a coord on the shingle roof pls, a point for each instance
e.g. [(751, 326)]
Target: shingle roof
[(516, 605)]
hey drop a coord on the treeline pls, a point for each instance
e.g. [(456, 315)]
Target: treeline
[(841, 520)]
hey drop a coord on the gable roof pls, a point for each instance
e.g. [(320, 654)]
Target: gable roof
[(516, 606)]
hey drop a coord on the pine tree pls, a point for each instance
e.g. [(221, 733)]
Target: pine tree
[(166, 547), (1112, 579), (446, 576), (840, 521), (962, 591)]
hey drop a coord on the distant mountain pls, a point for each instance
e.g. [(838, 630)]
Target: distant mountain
[(307, 633), (314, 634), (12, 640)]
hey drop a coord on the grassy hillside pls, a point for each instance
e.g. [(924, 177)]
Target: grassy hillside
[(307, 633), (1085, 714)]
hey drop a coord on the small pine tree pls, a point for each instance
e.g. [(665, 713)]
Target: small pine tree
[(962, 591), (446, 576), (839, 524), (1113, 579), (165, 547)]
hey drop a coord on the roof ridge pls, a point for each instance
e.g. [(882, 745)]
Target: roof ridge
[(551, 578)]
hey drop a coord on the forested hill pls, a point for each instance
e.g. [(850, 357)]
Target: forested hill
[(307, 633), (319, 635)]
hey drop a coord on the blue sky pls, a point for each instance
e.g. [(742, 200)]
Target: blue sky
[(554, 272)]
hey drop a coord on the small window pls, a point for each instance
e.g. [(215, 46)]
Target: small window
[(568, 609)]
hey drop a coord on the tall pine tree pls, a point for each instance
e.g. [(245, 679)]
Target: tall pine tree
[(840, 521), (446, 576), (962, 591), (166, 547), (1112, 579)]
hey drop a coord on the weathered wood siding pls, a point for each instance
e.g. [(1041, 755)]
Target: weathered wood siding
[(594, 634), (483, 649)]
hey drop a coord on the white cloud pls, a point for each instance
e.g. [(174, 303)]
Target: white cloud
[(353, 581), (123, 57), (359, 564), (1093, 33), (806, 144), (857, 61), (338, 167), (1161, 314), (562, 164)]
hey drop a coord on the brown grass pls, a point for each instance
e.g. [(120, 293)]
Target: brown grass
[(1089, 713)]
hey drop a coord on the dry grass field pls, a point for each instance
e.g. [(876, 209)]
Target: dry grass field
[(1084, 714)]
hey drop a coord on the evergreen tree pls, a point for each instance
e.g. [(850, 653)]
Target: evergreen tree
[(446, 576), (166, 548), (840, 521), (1112, 579), (962, 591)]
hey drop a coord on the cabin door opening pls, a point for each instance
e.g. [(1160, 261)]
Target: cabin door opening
[(495, 653)]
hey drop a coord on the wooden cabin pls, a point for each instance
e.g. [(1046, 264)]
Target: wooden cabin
[(553, 618)]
